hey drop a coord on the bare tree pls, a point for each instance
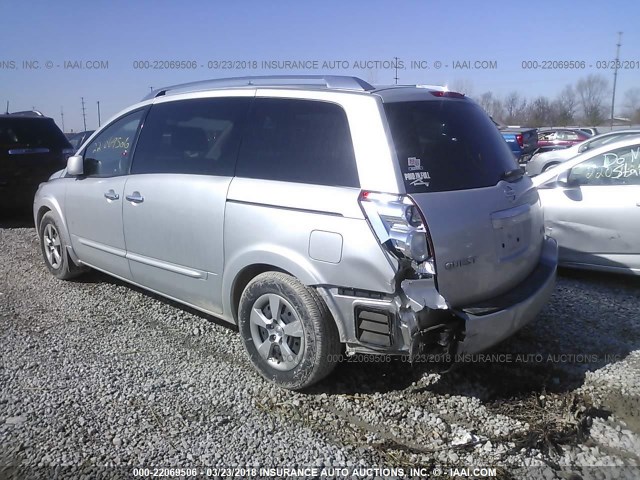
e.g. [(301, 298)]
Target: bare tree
[(491, 105), (632, 104), (462, 85), (591, 91), (539, 113), (515, 108), (565, 106)]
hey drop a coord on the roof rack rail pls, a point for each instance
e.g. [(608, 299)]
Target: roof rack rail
[(28, 113), (327, 81)]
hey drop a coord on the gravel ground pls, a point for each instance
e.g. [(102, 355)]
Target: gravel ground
[(97, 377)]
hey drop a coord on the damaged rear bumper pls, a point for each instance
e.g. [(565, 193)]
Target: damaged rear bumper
[(492, 321), (417, 320)]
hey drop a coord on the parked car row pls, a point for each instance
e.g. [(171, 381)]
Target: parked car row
[(522, 141), (526, 142), (541, 162)]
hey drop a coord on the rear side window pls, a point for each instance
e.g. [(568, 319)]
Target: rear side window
[(199, 136), (31, 133), (447, 145), (301, 141)]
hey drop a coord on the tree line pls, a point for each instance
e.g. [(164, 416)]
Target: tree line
[(587, 102)]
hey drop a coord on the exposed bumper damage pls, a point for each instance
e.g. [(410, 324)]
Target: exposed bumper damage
[(419, 321)]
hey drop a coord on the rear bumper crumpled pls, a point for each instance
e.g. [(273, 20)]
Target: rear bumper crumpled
[(492, 321)]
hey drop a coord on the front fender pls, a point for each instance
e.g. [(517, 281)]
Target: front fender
[(46, 201)]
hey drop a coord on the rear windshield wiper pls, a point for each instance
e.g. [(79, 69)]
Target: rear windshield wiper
[(512, 175)]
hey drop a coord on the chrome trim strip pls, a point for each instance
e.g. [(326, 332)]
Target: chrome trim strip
[(101, 246), (188, 272), (281, 207)]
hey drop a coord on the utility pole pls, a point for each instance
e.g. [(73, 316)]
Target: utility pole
[(151, 89), (7, 106), (84, 115), (396, 67), (615, 76), (62, 116), (98, 113)]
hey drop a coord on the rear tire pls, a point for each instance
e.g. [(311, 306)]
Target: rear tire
[(54, 250), (299, 344)]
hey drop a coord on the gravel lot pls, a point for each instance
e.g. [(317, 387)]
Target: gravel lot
[(95, 374)]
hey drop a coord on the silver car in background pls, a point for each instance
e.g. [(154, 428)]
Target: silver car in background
[(592, 207), (317, 213), (541, 162)]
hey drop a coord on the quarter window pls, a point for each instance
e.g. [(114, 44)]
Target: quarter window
[(110, 153), (300, 141), (199, 136), (619, 167)]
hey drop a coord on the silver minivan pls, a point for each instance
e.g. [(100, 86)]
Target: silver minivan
[(322, 215)]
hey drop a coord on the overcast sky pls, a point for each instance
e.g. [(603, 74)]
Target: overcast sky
[(360, 38)]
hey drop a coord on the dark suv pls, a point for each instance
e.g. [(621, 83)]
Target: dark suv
[(32, 147)]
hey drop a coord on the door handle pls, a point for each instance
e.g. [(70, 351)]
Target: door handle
[(111, 195), (135, 197)]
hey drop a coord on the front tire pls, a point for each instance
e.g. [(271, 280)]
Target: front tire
[(287, 330), (54, 250)]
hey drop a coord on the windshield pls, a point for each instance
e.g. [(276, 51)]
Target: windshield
[(447, 145), (598, 142)]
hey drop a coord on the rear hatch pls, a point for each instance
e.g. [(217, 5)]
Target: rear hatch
[(484, 217), (31, 149)]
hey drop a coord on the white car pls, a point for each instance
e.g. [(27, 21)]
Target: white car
[(592, 208)]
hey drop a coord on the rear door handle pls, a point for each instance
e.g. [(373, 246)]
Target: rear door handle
[(135, 197), (111, 195)]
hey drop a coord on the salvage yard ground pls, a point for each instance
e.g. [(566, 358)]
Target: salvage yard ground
[(94, 372)]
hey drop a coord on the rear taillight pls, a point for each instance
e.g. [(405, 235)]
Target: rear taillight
[(520, 139), (400, 227), (440, 93)]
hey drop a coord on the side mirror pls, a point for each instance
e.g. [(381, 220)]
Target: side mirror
[(583, 148), (75, 165), (563, 180)]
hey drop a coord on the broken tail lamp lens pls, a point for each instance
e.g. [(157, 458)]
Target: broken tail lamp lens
[(397, 222)]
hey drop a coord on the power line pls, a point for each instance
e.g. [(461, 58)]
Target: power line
[(615, 76)]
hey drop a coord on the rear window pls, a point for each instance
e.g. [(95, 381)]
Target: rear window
[(31, 133), (447, 145)]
